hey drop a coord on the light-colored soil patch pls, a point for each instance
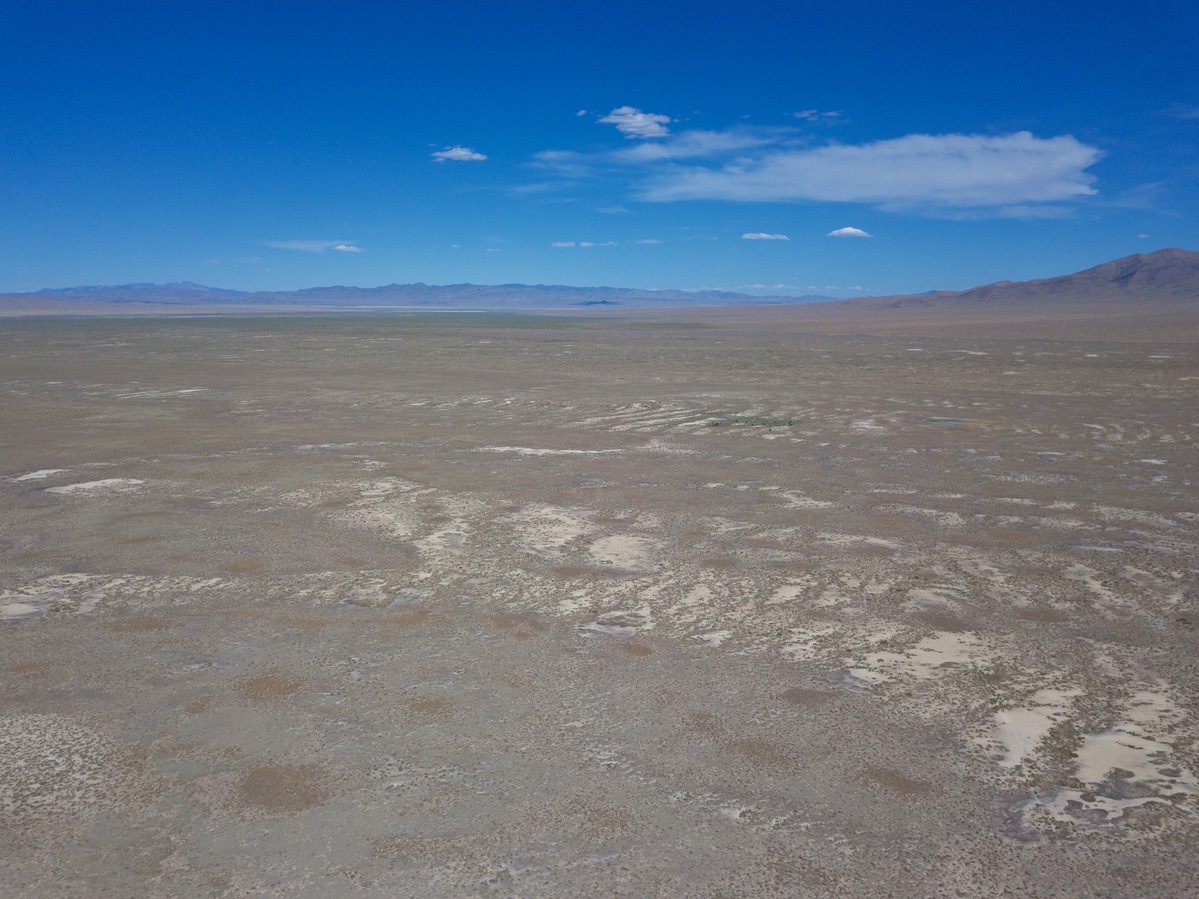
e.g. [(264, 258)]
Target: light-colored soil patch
[(624, 551), (105, 484)]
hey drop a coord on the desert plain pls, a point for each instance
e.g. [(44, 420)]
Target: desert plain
[(545, 605)]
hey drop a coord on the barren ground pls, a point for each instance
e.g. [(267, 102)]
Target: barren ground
[(477, 604)]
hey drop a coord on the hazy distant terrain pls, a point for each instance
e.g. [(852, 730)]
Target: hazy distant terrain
[(1146, 296), (453, 296)]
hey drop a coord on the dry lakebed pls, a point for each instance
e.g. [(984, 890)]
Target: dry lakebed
[(480, 604)]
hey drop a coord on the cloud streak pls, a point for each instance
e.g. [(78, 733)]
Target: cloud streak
[(951, 171), (763, 236), (815, 115), (849, 232), (457, 154), (952, 175), (635, 124), (314, 246)]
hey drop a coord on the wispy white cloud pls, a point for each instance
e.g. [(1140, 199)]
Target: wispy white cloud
[(312, 246), (581, 112), (649, 241), (563, 243), (635, 124), (697, 144), (1140, 196), (815, 115), (759, 235), (687, 145), (348, 248), (1182, 111), (849, 232), (583, 243), (458, 154), (919, 170)]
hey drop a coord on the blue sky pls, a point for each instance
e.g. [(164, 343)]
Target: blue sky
[(667, 145)]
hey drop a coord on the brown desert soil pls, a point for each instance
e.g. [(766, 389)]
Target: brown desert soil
[(720, 603)]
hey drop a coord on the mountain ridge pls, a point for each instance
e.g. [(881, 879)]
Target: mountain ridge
[(1170, 273), (419, 294), (1169, 276)]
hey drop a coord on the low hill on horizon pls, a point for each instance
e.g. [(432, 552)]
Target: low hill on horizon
[(1139, 298), (1171, 273)]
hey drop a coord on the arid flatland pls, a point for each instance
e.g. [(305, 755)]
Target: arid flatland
[(550, 606)]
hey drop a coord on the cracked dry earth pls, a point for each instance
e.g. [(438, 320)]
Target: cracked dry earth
[(539, 606)]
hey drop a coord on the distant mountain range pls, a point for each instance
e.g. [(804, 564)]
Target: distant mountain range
[(451, 296), (1168, 276)]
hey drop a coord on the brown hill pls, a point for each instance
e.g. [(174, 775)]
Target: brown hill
[(1151, 297), (1167, 274)]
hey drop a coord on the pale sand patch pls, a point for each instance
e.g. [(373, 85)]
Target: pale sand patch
[(392, 519), (1133, 761), (719, 525), (81, 593), (867, 424), (796, 500), (385, 505), (32, 600), (120, 484), (1130, 747), (447, 540), (787, 593), (1094, 582), (549, 530), (803, 643), (17, 611), (377, 490), (624, 551), (851, 539), (373, 592), (696, 604), (932, 599), (943, 518), (1019, 731), (658, 445), (927, 659), (538, 451), (1152, 519), (1170, 592), (40, 474)]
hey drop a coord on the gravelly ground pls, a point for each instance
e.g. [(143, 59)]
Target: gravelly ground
[(548, 606)]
